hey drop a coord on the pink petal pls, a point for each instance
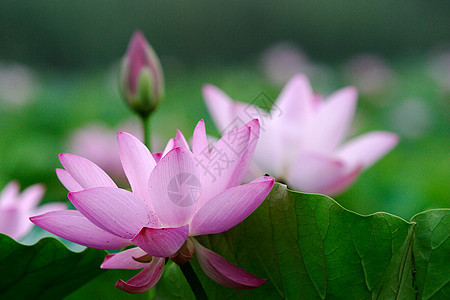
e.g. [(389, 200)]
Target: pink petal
[(180, 141), (244, 162), (170, 146), (343, 183), (219, 106), (14, 222), (124, 260), (73, 226), (68, 181), (85, 172), (230, 207), (296, 101), (222, 168), (270, 144), (161, 242), (332, 121), (137, 58), (199, 140), (145, 279), (31, 196), (9, 194), (157, 156), (175, 188), (117, 211), (137, 162), (282, 137), (368, 148), (177, 142), (223, 272), (314, 172)]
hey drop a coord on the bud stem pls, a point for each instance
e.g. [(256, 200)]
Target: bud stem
[(193, 281), (147, 130)]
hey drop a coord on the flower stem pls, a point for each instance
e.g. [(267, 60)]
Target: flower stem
[(193, 281), (147, 130)]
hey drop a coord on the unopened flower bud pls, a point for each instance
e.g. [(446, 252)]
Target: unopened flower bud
[(141, 76)]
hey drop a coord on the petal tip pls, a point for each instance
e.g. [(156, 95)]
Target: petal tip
[(253, 121), (206, 88), (351, 91), (395, 138), (107, 257), (299, 78)]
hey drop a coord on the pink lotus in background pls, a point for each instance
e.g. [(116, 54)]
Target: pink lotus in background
[(438, 65), (281, 61), (16, 208), (98, 143), (18, 84), (183, 194), (301, 141), (370, 74)]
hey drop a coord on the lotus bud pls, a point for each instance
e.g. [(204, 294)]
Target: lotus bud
[(141, 76)]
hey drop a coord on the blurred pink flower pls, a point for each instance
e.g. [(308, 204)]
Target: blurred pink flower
[(370, 73), (282, 61), (301, 138), (98, 143), (185, 194), (18, 83), (439, 67), (16, 208)]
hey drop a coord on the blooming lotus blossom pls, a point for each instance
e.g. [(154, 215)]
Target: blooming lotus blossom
[(301, 141), (173, 199), (16, 208)]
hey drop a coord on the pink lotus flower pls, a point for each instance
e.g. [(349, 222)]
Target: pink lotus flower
[(301, 138), (16, 208), (182, 195)]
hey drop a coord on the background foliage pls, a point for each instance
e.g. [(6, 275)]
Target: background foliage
[(72, 34)]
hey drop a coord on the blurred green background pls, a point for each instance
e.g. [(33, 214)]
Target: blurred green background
[(59, 68)]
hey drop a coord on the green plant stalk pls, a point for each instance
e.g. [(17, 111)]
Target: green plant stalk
[(146, 130), (193, 281)]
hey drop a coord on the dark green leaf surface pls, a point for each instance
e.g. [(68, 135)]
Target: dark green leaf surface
[(309, 247), (432, 254), (173, 284), (46, 270), (103, 287)]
